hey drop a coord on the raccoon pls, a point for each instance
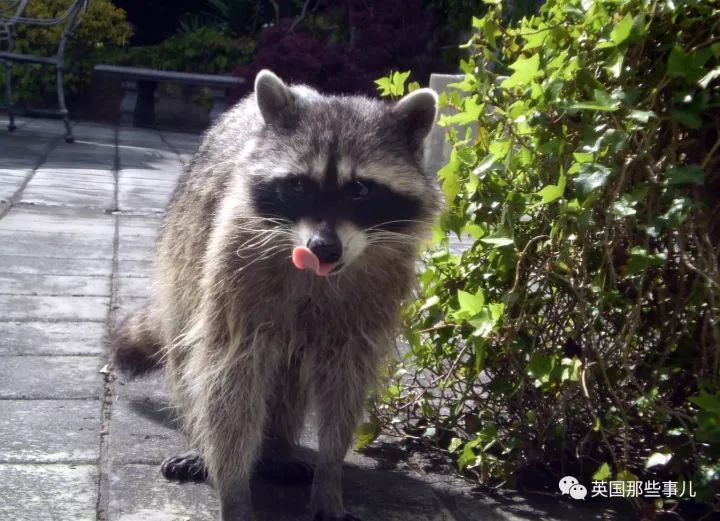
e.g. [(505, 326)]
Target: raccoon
[(284, 256)]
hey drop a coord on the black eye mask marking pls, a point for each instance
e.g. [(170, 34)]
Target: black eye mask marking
[(363, 202), (291, 197)]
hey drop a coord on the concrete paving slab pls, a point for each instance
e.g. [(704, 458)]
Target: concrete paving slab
[(134, 268), (144, 428), (54, 266), (86, 131), (512, 506), (165, 177), (24, 151), (73, 176), (58, 220), (147, 157), (126, 305), (49, 431), (81, 175), (29, 307), (134, 287), (134, 136), (53, 492), (141, 493), (52, 338), (43, 125), (99, 155), (375, 495), (50, 377), (136, 250), (134, 227), (182, 142), (99, 196), (10, 182), (138, 194), (54, 285), (145, 431), (43, 244)]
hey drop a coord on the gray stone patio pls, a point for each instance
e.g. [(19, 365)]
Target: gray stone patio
[(77, 228)]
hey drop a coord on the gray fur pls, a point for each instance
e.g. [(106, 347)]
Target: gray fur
[(249, 342)]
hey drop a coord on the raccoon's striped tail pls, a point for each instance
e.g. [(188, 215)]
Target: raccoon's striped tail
[(135, 344)]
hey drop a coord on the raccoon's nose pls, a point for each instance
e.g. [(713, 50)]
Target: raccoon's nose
[(326, 246)]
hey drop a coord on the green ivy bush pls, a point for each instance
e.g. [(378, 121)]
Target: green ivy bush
[(102, 30), (202, 49), (578, 333)]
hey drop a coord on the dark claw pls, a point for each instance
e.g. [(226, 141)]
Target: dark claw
[(292, 472), (189, 466)]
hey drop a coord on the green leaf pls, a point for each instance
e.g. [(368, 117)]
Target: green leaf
[(430, 302), (658, 459), (552, 192), (640, 259), (384, 86), (467, 457), (686, 174), (707, 402), (710, 76), (483, 323), (455, 444), (623, 207), (596, 107), (687, 65), (449, 178), (498, 240), (468, 84), (398, 82), (602, 473), (526, 70), (475, 230), (591, 177), (535, 39), (499, 149), (621, 31), (367, 432), (677, 63), (689, 117), (643, 116), (469, 303), (541, 366), (496, 310), (583, 157)]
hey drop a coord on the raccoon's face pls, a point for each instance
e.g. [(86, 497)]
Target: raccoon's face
[(342, 173)]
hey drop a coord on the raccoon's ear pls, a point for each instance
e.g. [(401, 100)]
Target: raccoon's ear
[(275, 100), (416, 114)]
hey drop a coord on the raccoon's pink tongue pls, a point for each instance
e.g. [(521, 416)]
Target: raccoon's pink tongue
[(304, 259)]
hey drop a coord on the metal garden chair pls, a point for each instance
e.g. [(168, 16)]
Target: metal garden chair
[(12, 13)]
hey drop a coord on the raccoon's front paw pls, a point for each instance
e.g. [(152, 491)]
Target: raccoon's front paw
[(329, 517), (189, 466)]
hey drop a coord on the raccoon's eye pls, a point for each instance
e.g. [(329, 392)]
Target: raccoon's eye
[(359, 190), (297, 185)]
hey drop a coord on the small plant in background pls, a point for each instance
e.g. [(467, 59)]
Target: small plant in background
[(103, 29), (578, 333)]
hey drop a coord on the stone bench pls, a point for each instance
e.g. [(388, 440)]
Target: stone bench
[(138, 104)]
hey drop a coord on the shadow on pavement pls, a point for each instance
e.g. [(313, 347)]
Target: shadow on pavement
[(381, 484)]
